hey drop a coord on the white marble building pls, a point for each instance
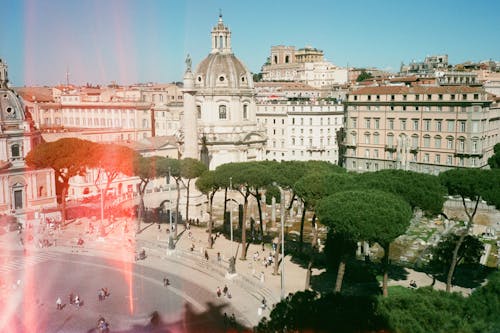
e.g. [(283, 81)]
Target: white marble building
[(21, 189), (219, 107)]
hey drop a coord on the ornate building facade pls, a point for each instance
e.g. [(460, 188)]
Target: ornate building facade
[(21, 189), (219, 107)]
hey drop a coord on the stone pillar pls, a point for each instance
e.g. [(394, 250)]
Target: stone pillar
[(190, 118)]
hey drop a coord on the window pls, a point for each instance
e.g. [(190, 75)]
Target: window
[(437, 159), (450, 124), (464, 96), (354, 122), (417, 97), (438, 125), (427, 141), (15, 151), (367, 138), (437, 142), (377, 123), (404, 97), (367, 122), (415, 124), (461, 145), (449, 142), (391, 124), (375, 153), (429, 97), (474, 146), (376, 138), (390, 139), (452, 97), (222, 112), (449, 159), (198, 111), (367, 153), (245, 111), (426, 158), (353, 138), (403, 124), (427, 124), (414, 141), (440, 97), (462, 125), (476, 96)]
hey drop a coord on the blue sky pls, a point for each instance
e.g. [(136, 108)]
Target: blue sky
[(140, 41)]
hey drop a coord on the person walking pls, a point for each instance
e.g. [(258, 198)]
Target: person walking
[(224, 290), (218, 292), (59, 303)]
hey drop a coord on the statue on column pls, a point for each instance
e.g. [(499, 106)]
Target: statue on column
[(188, 63)]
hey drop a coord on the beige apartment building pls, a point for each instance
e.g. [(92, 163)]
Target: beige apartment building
[(421, 128)]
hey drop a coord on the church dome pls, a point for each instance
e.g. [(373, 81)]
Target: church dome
[(222, 70), (11, 107)]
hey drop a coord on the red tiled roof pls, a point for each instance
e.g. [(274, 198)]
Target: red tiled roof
[(39, 94)]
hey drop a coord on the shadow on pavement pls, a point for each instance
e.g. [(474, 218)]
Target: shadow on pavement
[(212, 320)]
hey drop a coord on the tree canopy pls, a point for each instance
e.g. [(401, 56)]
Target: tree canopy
[(494, 161)]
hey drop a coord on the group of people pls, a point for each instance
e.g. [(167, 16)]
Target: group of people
[(225, 291), (141, 255), (74, 299), (102, 294)]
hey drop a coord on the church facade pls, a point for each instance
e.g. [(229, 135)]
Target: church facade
[(220, 124), (21, 189)]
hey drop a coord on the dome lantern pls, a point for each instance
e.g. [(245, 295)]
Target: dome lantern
[(221, 38)]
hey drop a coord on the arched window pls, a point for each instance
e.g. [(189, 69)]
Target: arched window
[(222, 112), (245, 111), (287, 59)]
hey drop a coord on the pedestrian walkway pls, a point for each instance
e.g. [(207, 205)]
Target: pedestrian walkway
[(15, 263)]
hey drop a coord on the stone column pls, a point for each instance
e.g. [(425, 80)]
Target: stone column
[(190, 118)]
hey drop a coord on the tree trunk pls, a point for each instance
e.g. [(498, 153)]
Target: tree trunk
[(187, 199), (309, 273), (225, 204), (210, 221), (454, 261), (340, 276), (313, 252), (140, 213), (385, 266), (259, 207), (302, 221), (243, 230), (454, 257), (63, 204)]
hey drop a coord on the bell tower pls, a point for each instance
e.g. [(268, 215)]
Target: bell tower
[(221, 38)]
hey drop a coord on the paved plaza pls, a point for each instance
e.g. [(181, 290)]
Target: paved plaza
[(34, 276)]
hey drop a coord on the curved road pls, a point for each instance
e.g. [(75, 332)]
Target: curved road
[(136, 289)]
